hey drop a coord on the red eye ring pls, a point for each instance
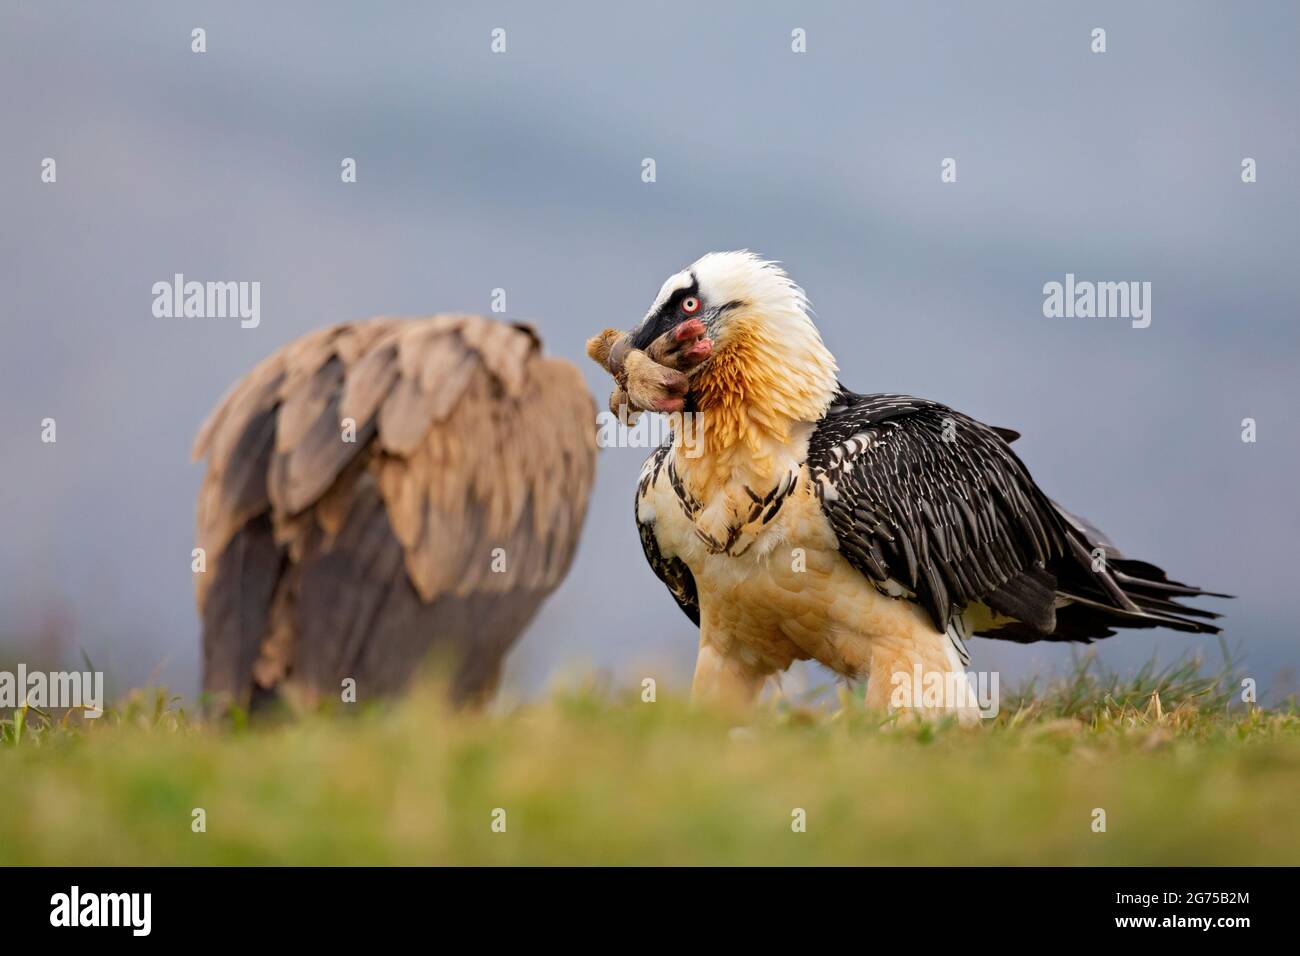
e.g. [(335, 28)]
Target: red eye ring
[(690, 305)]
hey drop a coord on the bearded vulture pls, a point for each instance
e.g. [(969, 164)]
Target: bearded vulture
[(380, 491), (871, 533)]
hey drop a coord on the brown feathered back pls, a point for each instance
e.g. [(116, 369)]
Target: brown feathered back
[(360, 483)]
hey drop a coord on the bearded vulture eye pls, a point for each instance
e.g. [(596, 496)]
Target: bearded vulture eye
[(690, 305)]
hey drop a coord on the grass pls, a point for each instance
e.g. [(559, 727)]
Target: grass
[(1183, 775)]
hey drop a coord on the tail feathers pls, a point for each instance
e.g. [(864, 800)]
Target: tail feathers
[(1146, 578), (1147, 614), (1131, 593), (1078, 599), (1085, 619)]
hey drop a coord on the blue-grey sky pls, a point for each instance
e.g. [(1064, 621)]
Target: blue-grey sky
[(522, 171)]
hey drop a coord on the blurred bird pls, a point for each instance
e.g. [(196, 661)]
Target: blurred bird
[(872, 533), (382, 490)]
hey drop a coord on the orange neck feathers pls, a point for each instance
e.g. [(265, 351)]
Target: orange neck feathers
[(755, 389)]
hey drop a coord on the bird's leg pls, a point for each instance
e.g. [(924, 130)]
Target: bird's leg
[(655, 379), (723, 681), (650, 386), (919, 676)]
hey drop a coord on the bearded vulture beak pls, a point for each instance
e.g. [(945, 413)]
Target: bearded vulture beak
[(654, 378), (380, 491), (871, 533)]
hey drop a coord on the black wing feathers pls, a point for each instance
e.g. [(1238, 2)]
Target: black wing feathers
[(933, 500), (926, 498)]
